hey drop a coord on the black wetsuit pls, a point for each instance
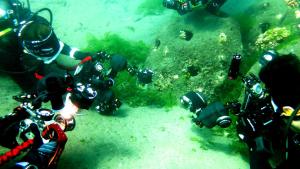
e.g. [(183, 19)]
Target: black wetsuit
[(260, 160)]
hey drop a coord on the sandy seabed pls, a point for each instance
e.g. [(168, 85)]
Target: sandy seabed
[(149, 138)]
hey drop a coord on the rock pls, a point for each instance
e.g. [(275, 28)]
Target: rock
[(202, 51)]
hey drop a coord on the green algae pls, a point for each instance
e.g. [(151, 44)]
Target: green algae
[(127, 87)]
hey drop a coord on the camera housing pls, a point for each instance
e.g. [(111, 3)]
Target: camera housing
[(83, 95), (208, 115), (194, 101)]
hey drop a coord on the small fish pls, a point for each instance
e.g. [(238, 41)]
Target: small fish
[(156, 43), (185, 34)]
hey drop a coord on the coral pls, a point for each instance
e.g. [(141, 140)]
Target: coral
[(163, 82), (292, 3), (222, 38), (272, 37)]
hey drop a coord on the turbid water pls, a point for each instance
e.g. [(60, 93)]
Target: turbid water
[(149, 137)]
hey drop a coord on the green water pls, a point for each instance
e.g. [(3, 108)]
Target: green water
[(151, 130)]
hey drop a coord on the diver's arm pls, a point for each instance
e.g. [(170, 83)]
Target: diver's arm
[(71, 58), (66, 63), (74, 52)]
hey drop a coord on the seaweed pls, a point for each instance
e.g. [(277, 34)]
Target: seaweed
[(135, 51), (135, 95), (127, 87)]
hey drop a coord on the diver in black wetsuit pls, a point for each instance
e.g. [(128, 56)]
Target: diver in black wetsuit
[(28, 44), (281, 77), (185, 6), (29, 47)]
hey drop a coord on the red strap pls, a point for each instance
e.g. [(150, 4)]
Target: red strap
[(38, 76), (61, 141), (69, 89), (15, 151), (86, 59)]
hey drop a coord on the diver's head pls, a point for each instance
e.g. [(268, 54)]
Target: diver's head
[(39, 40), (281, 77)]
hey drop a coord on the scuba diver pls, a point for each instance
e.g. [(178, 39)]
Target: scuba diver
[(268, 118), (281, 77), (29, 50), (28, 45), (185, 6)]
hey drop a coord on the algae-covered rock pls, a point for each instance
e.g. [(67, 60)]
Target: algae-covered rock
[(272, 38), (175, 58), (205, 52)]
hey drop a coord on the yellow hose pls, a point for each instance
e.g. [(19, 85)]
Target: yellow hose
[(5, 31)]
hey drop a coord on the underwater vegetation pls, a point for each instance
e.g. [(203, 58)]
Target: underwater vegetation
[(127, 87), (198, 64), (135, 51)]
